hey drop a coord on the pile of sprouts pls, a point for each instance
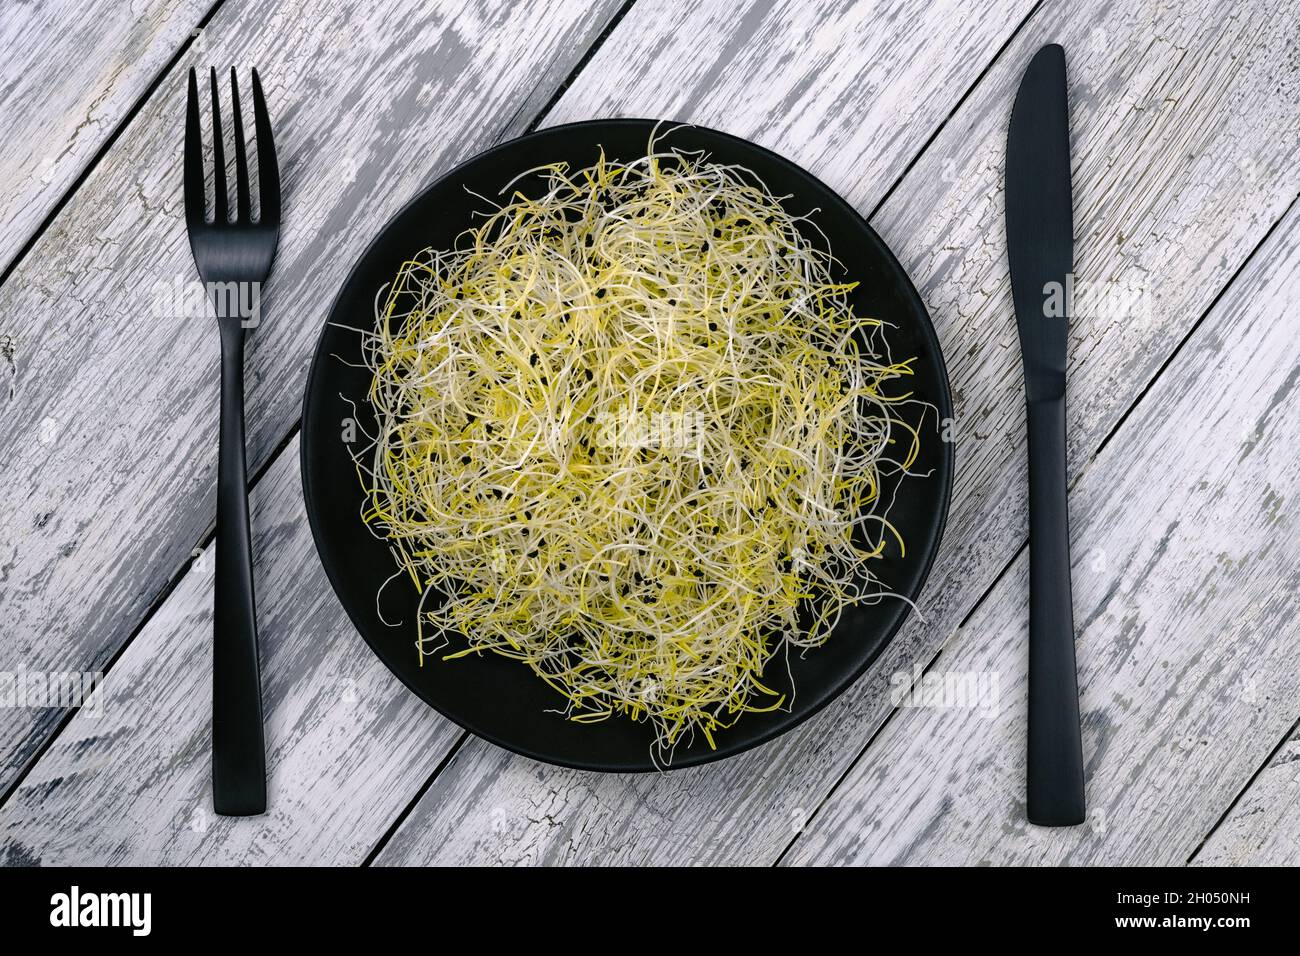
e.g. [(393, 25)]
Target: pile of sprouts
[(632, 435)]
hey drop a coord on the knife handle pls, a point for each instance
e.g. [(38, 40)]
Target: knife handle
[(1055, 756)]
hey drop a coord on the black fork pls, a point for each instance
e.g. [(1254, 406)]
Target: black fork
[(234, 258)]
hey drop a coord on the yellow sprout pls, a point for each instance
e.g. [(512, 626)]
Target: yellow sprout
[(634, 432)]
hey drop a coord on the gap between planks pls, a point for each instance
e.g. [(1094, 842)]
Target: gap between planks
[(1232, 805)]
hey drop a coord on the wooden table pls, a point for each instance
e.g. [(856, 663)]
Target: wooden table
[(1184, 420)]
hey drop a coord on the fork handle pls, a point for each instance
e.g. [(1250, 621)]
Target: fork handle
[(238, 748)]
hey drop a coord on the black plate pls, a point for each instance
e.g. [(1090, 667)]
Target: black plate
[(500, 699)]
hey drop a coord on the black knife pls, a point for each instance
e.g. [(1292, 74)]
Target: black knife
[(1040, 251)]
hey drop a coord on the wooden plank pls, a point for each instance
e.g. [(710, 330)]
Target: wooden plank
[(849, 90), (128, 782), (110, 442), (71, 74), (1263, 829), (1184, 157), (1184, 583)]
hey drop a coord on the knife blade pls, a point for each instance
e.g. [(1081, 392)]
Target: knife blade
[(1040, 254)]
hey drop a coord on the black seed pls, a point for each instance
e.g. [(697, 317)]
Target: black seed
[(465, 459), (532, 359)]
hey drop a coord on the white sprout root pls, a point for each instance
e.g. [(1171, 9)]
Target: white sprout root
[(635, 434)]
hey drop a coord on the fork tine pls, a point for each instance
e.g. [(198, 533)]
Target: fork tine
[(195, 210), (268, 172), (242, 212), (218, 154)]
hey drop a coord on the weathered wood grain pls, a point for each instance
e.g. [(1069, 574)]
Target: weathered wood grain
[(71, 73), (1263, 829), (1186, 566), (109, 448), (1184, 157), (129, 780)]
